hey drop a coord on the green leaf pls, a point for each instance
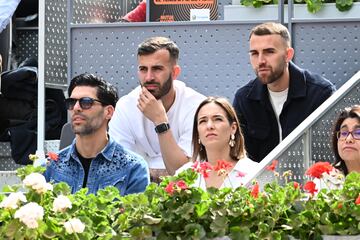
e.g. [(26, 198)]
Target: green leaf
[(28, 169), (314, 6), (141, 233), (219, 224), (61, 188), (240, 233), (12, 228), (201, 208), (344, 5), (13, 188), (194, 231)]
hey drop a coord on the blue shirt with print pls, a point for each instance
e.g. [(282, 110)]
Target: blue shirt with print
[(113, 166)]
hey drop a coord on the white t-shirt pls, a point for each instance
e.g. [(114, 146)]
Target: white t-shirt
[(244, 165), (134, 131), (277, 100)]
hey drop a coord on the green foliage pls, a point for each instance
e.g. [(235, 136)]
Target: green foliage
[(192, 213), (24, 171), (313, 6)]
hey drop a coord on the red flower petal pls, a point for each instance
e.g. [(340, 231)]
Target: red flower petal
[(310, 187), (222, 165), (170, 188), (318, 169), (195, 165), (272, 166), (357, 201), (240, 174), (255, 191), (181, 184), (52, 156), (204, 169), (296, 185)]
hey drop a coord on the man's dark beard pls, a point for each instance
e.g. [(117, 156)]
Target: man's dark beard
[(163, 90), (276, 74)]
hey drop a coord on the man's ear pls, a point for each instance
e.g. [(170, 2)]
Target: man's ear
[(289, 54), (176, 71), (109, 111)]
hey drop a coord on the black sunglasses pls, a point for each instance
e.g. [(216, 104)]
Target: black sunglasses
[(85, 102)]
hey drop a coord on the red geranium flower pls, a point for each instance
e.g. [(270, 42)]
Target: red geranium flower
[(357, 201), (255, 190), (181, 184), (318, 169), (195, 165), (310, 187), (272, 166), (52, 156), (202, 167), (222, 167), (170, 188), (296, 185)]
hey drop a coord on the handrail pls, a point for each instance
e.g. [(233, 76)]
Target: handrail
[(305, 126)]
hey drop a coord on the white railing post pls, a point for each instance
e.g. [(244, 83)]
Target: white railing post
[(41, 86)]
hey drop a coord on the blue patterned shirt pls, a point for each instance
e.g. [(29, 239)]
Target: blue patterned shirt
[(113, 166)]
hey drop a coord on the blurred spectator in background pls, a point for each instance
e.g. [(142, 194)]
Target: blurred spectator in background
[(7, 9), (138, 14)]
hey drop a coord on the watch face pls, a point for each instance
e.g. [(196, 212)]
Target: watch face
[(162, 127)]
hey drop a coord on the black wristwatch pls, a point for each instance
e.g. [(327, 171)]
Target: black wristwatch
[(162, 127)]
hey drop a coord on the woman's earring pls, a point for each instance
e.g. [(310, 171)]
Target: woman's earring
[(232, 140)]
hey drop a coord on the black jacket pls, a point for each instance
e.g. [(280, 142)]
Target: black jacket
[(257, 118)]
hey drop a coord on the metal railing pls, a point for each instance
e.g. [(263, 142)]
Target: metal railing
[(296, 151)]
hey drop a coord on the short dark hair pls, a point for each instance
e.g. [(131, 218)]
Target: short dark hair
[(154, 44), (236, 152), (270, 28), (350, 112), (106, 92)]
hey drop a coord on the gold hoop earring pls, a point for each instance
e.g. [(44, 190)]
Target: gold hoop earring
[(232, 140)]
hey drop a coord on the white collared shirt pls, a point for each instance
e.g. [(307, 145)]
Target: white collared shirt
[(244, 165)]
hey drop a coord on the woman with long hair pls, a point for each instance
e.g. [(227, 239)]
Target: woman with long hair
[(218, 141)]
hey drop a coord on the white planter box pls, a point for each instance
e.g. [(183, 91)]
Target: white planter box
[(270, 12), (239, 12)]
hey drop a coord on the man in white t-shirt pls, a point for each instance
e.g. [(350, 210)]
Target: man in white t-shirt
[(156, 118)]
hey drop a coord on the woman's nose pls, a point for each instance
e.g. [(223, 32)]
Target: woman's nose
[(349, 137), (210, 124)]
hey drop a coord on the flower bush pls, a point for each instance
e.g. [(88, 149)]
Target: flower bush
[(313, 6), (176, 210)]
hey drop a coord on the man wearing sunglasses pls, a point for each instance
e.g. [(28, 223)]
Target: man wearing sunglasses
[(156, 119), (94, 160)]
